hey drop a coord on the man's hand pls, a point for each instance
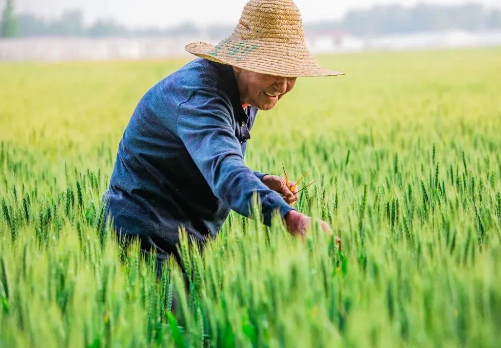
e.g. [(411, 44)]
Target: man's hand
[(298, 224), (278, 184)]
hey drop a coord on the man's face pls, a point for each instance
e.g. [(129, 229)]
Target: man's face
[(260, 90)]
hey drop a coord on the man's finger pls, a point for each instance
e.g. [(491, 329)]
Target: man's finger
[(285, 191), (326, 228), (292, 187), (288, 199)]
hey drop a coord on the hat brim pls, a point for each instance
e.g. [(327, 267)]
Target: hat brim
[(265, 57)]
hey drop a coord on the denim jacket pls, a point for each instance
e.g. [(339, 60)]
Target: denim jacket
[(180, 161)]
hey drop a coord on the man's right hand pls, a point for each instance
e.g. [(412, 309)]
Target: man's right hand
[(298, 224)]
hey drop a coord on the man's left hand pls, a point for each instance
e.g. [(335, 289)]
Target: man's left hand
[(278, 184)]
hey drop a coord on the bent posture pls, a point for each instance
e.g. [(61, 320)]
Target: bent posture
[(180, 161)]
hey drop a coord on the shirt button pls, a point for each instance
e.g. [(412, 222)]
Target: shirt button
[(243, 123)]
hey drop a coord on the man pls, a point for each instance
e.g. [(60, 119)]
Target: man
[(181, 158)]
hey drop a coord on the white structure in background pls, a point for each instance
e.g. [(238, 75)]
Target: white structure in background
[(329, 42), (55, 49), (443, 39)]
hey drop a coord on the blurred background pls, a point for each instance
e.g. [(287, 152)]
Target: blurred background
[(64, 30)]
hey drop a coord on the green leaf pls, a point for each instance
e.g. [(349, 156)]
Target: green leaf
[(176, 331)]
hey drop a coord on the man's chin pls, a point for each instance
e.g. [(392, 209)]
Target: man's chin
[(266, 106)]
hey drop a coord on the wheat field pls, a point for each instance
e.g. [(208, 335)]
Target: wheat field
[(405, 151)]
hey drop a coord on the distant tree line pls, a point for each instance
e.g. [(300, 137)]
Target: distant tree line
[(375, 21), (71, 23), (391, 19), (8, 23)]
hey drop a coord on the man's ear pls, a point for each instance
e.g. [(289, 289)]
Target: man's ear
[(237, 69)]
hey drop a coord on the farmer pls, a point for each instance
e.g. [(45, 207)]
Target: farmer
[(180, 162)]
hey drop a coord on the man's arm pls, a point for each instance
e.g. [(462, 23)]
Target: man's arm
[(204, 125)]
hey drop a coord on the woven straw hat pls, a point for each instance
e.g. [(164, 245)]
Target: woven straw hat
[(268, 39)]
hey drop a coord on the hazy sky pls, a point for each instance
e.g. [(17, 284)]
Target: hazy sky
[(163, 13)]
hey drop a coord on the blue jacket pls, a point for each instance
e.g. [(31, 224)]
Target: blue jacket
[(180, 161)]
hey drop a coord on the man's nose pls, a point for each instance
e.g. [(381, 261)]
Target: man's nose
[(280, 85)]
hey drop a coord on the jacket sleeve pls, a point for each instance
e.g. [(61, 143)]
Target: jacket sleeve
[(259, 175), (204, 124)]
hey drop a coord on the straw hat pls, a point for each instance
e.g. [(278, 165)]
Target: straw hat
[(268, 39)]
